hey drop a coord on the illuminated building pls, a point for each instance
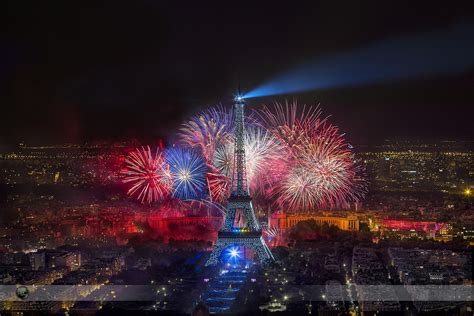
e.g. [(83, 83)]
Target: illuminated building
[(38, 260), (69, 260), (467, 233), (417, 229), (445, 233), (284, 221)]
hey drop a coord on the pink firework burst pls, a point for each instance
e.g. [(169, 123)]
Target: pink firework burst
[(321, 171), (148, 175), (290, 124), (211, 129), (265, 159), (208, 130)]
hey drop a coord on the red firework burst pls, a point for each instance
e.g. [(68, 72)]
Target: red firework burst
[(219, 186), (148, 175)]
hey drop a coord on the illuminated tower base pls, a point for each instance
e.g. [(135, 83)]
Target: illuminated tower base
[(249, 235), (255, 243)]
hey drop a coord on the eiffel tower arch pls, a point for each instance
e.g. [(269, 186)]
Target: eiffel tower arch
[(240, 204)]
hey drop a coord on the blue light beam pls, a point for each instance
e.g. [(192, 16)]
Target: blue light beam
[(423, 54)]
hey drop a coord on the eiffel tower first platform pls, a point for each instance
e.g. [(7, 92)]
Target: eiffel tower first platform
[(248, 234)]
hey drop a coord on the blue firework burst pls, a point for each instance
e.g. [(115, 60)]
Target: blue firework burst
[(188, 172)]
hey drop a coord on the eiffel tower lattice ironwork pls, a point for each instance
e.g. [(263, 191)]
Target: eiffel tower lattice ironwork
[(240, 203)]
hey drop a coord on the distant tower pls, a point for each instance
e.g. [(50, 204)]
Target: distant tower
[(239, 205)]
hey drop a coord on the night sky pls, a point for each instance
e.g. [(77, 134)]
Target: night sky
[(136, 69)]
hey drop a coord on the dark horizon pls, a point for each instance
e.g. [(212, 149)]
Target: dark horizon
[(137, 70)]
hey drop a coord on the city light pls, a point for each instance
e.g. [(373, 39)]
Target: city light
[(233, 253), (467, 192)]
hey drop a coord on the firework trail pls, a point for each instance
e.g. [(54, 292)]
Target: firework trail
[(218, 186), (188, 172), (271, 232), (147, 174)]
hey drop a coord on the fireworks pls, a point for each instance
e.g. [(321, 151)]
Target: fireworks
[(147, 174), (188, 173), (224, 160), (264, 156), (272, 232), (208, 130), (294, 157), (290, 126), (299, 191), (321, 171), (218, 186)]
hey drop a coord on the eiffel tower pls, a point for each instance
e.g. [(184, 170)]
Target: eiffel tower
[(247, 232)]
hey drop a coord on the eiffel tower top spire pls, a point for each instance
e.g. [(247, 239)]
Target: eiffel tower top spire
[(239, 174)]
